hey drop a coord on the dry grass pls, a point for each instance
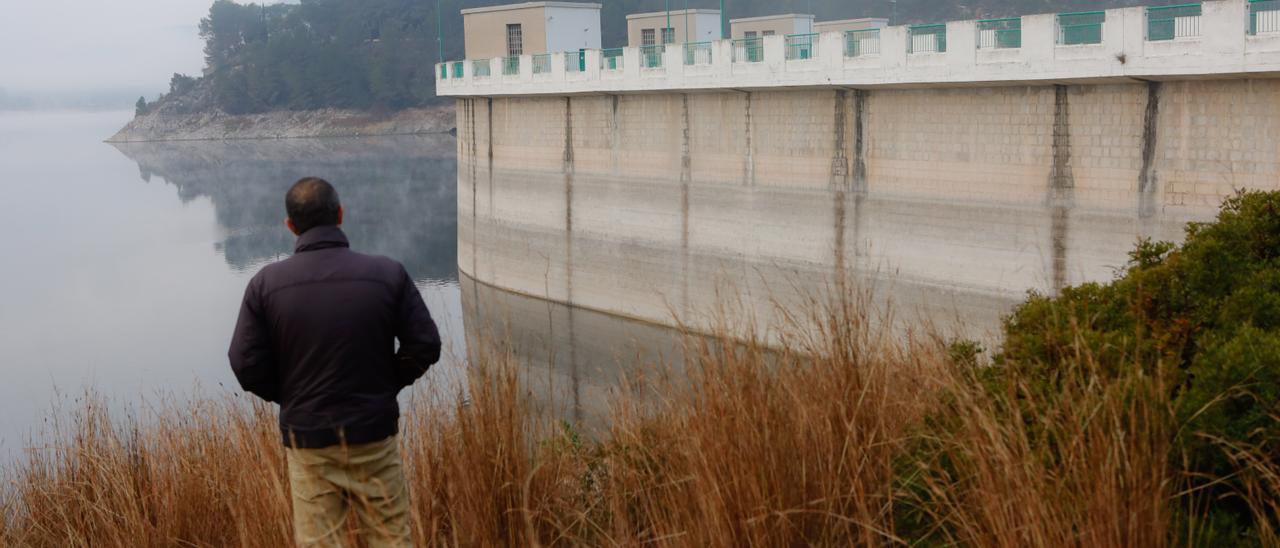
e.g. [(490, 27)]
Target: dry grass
[(1260, 475), (211, 473), (1088, 467), (848, 437), (478, 474)]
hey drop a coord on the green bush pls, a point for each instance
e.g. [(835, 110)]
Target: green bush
[(1208, 314)]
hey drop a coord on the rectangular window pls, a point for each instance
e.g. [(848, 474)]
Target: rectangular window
[(1264, 16), (515, 40), (647, 37), (749, 34), (1000, 33), (1080, 28), (668, 35), (768, 33)]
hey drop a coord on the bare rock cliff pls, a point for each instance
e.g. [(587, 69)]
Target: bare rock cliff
[(167, 125)]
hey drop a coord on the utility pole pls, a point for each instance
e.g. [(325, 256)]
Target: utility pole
[(724, 18), (439, 34), (664, 31), (686, 21)]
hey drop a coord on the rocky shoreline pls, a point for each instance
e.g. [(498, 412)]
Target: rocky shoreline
[(164, 125)]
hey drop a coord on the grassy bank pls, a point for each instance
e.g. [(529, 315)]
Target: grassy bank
[(1077, 434), (851, 439)]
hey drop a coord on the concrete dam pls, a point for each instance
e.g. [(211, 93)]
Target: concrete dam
[(949, 182)]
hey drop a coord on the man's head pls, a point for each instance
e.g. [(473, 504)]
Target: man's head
[(312, 202)]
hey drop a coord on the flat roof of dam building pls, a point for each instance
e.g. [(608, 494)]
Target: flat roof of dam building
[(1214, 40), (672, 13), (527, 5), (861, 23), (778, 17)]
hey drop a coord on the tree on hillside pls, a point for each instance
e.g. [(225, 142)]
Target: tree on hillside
[(325, 53), (180, 84)]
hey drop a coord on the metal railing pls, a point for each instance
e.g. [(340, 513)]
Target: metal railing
[(651, 56), (748, 50), (1172, 22), (611, 59), (802, 46), (575, 61), (1162, 23), (697, 53), (1264, 16), (542, 63), (1081, 28), (927, 39), (861, 42), (510, 66), (1000, 33)]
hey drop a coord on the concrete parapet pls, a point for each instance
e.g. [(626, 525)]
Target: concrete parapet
[(1221, 48)]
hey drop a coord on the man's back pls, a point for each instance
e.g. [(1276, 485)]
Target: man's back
[(317, 332)]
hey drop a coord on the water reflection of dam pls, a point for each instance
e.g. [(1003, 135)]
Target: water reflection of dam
[(633, 251), (956, 268), (571, 359)]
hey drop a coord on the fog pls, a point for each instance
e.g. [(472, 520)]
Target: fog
[(68, 48)]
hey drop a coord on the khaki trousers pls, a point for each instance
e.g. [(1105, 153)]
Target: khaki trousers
[(368, 478)]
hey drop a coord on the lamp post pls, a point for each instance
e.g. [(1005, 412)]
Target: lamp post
[(439, 34)]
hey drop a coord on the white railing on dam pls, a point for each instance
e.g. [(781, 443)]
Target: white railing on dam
[(1219, 38)]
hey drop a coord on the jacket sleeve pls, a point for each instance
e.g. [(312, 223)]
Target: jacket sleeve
[(252, 355), (416, 331)]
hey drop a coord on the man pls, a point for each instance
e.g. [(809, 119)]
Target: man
[(316, 334)]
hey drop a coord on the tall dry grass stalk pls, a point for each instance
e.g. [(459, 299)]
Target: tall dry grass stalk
[(5, 518), (211, 472), (485, 473), (843, 436), (1259, 473), (1088, 466), (770, 447)]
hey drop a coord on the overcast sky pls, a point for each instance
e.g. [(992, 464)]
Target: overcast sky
[(98, 45)]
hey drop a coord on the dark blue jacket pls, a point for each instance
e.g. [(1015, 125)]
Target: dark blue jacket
[(317, 334)]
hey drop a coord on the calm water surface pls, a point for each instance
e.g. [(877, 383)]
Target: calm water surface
[(123, 266)]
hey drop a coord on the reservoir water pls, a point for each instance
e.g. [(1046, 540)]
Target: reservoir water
[(123, 265)]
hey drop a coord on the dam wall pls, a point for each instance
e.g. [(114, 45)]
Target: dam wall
[(948, 202)]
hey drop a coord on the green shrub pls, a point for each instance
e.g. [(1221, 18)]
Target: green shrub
[(1206, 312)]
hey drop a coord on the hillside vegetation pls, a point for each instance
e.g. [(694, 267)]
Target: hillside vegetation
[(379, 54)]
